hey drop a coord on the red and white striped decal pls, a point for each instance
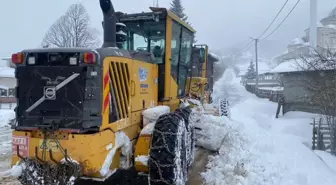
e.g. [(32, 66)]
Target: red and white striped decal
[(107, 95)]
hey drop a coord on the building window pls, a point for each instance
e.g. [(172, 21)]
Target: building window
[(11, 92), (3, 92)]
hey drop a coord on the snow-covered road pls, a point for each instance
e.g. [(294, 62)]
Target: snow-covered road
[(262, 150), (5, 138)]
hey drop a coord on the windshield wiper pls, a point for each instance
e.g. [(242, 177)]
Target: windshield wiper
[(59, 86)]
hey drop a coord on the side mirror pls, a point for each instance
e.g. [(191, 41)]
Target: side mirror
[(202, 55)]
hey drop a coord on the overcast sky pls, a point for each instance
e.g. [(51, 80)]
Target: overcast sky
[(219, 23)]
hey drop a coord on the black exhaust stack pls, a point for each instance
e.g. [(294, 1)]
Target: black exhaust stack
[(109, 23)]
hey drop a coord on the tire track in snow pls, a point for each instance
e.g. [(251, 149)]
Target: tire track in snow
[(226, 87)]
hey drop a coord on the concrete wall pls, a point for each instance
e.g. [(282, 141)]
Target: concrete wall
[(297, 97), (293, 89)]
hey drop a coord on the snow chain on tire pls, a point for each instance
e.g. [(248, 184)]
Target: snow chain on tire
[(168, 162), (35, 173), (224, 109), (189, 139)]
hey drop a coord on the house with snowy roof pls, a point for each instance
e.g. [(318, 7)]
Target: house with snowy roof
[(326, 39), (295, 48), (293, 69), (266, 79), (7, 84)]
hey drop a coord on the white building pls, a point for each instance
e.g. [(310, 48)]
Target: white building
[(326, 39), (7, 84)]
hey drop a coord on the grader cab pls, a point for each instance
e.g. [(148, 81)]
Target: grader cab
[(200, 84), (80, 111)]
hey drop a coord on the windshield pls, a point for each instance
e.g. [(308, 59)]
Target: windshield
[(148, 36)]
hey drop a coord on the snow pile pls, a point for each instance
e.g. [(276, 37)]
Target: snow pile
[(5, 138), (143, 159), (239, 161), (5, 117), (15, 171), (121, 141), (213, 131), (327, 158), (148, 129), (152, 114), (262, 150)]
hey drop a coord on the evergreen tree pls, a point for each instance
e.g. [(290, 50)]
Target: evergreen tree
[(177, 8), (251, 72)]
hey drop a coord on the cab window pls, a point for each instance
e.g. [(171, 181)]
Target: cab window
[(147, 36), (185, 60), (175, 49)]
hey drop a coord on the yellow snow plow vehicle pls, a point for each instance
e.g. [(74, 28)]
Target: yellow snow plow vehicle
[(86, 113), (202, 82)]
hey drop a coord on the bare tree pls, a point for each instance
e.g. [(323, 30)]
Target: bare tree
[(318, 78), (72, 30)]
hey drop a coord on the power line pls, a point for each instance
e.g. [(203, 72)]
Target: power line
[(282, 21), (249, 45), (246, 47), (283, 6)]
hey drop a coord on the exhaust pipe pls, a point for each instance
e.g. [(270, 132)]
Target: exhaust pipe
[(109, 23)]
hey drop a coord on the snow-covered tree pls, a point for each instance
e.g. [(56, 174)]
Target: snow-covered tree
[(177, 8), (251, 72)]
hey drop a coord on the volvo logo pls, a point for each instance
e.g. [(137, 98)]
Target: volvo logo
[(50, 93)]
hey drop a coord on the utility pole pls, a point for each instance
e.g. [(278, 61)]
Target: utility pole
[(313, 25), (256, 58), (157, 3)]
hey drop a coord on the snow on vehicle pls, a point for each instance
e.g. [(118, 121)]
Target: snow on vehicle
[(86, 113)]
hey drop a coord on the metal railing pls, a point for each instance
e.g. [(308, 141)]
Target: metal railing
[(324, 135)]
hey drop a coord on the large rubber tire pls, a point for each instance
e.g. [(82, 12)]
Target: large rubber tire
[(189, 139), (167, 155)]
